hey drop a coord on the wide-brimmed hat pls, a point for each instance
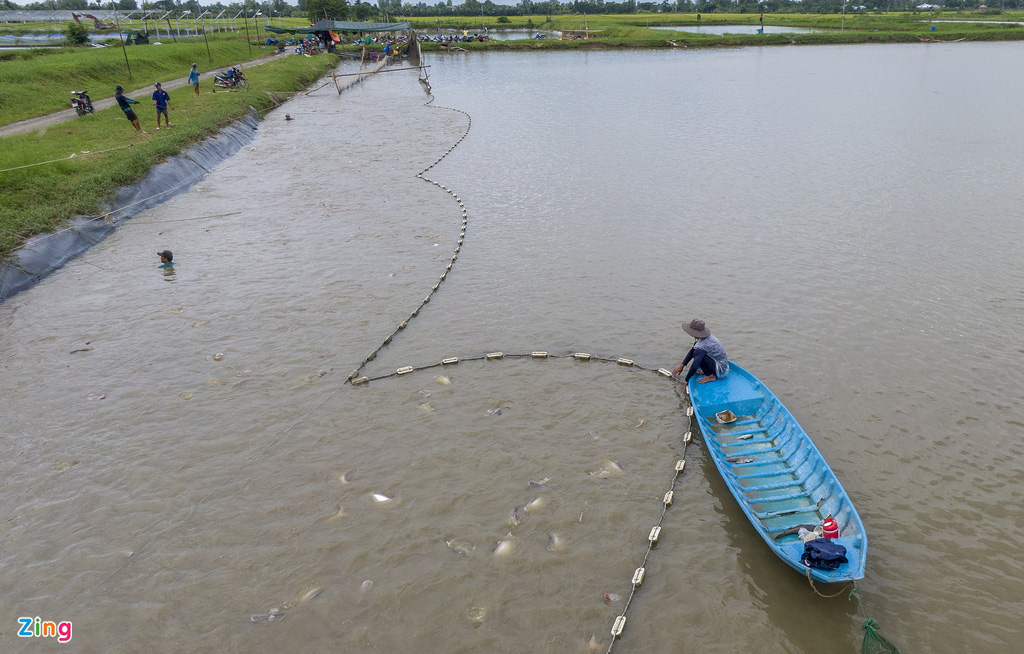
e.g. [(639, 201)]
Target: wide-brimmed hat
[(697, 329)]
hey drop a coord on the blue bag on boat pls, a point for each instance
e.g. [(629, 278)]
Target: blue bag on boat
[(823, 554)]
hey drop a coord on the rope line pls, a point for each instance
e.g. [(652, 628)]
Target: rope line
[(836, 594), (638, 576), (73, 155), (458, 245)]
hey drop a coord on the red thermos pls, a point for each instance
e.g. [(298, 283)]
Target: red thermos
[(830, 528)]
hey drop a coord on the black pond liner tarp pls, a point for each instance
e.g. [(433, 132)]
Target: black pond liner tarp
[(45, 253)]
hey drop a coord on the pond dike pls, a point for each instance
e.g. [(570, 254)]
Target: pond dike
[(44, 253)]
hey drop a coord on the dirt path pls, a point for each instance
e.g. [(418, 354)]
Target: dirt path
[(43, 122)]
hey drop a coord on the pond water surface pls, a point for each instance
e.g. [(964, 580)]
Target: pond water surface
[(182, 453), (735, 29)]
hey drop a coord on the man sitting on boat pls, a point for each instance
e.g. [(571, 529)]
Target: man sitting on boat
[(708, 354)]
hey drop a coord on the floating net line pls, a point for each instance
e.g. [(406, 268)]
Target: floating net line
[(873, 642)]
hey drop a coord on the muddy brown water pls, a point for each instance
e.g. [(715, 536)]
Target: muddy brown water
[(847, 220)]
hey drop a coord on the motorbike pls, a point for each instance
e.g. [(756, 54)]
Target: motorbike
[(81, 103), (231, 79)]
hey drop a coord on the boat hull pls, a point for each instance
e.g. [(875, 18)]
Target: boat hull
[(774, 471)]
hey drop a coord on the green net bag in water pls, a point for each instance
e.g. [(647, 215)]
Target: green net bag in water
[(874, 642)]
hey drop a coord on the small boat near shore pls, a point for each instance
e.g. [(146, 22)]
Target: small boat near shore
[(775, 472)]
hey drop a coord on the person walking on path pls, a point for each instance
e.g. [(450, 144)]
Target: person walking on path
[(193, 78), (126, 103), (160, 99), (708, 354)]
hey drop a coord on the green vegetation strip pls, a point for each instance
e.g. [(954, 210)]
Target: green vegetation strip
[(634, 30), (39, 82), (41, 198)]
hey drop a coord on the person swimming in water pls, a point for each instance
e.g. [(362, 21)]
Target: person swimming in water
[(166, 259)]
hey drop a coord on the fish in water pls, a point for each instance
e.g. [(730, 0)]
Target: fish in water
[(594, 435), (426, 407), (504, 546), (363, 590), (381, 498), (443, 380), (639, 424), (310, 594), (278, 613), (476, 615), (611, 597), (554, 542), (539, 484), (513, 519), (608, 469), (458, 547), (535, 504), (494, 412)]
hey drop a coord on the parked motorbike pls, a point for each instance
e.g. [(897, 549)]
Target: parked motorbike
[(81, 103), (231, 79)]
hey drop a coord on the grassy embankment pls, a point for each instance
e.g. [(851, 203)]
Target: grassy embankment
[(39, 199), (633, 31), (137, 25), (38, 82)]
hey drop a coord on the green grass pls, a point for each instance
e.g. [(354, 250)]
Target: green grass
[(40, 82), (39, 199), (49, 27), (633, 30)]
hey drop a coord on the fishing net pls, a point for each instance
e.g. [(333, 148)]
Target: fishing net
[(874, 642)]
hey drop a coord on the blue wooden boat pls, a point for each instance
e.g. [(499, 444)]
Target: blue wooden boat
[(774, 471)]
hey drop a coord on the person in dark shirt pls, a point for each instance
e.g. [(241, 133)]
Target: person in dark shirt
[(126, 103), (160, 99)]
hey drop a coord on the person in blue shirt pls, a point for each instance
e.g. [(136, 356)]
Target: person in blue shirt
[(166, 259), (707, 354), (193, 77), (126, 103), (160, 99)]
